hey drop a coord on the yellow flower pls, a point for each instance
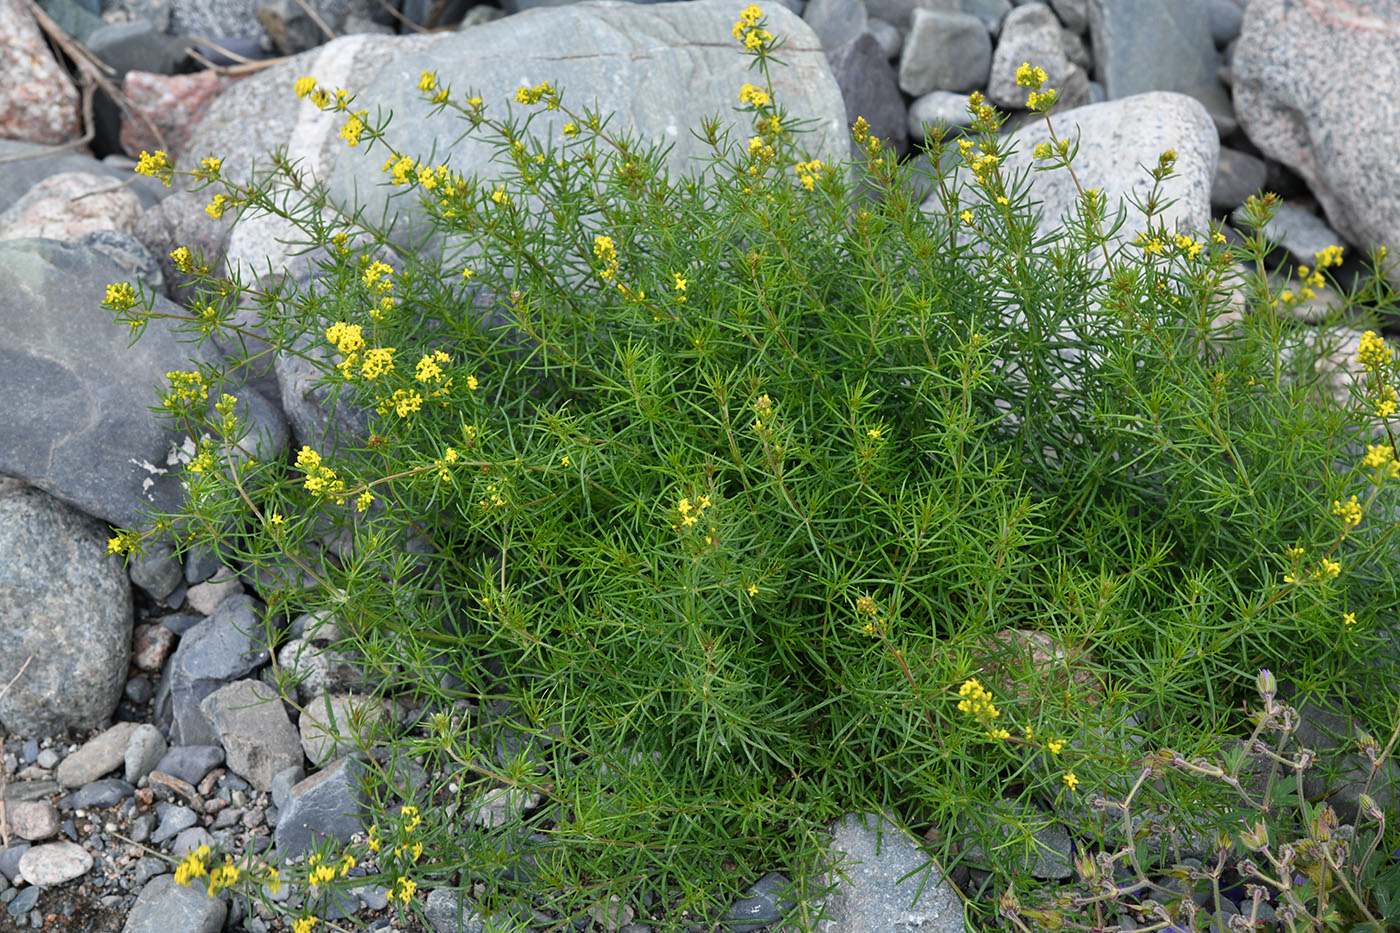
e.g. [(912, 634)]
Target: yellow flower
[(120, 296), (472, 383), (1033, 78), (346, 863), (1350, 514), (1349, 619), (303, 924), (304, 86), (751, 94), (1043, 151), (752, 590), (571, 129), (966, 217), (351, 131), (378, 362), (1373, 351), (1053, 746), (155, 165), (403, 890), (499, 195), (211, 165), (1328, 568), (1329, 256), (182, 258), (276, 520), (428, 81), (363, 502), (221, 203), (1070, 780), (378, 276), (564, 460), (372, 843), (273, 881), (348, 338)]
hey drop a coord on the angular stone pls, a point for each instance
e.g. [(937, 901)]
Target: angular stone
[(54, 863), (205, 597), (326, 728), (1031, 34), (1299, 72), (329, 803), (836, 22), (254, 730), (887, 882), (869, 88), (97, 795), (157, 571), (164, 907), (190, 763), (944, 52), (765, 902), (145, 750), (65, 607), (450, 911), (76, 422), (38, 102), (67, 205), (98, 756), (1143, 45), (221, 649)]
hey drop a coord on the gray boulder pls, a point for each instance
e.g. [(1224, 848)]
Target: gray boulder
[(164, 907), (219, 650), (329, 804), (869, 89), (76, 423), (65, 617), (254, 729), (1300, 73), (884, 882)]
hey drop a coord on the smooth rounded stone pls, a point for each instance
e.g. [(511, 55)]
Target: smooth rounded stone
[(29, 752), (190, 763), (33, 820), (151, 646), (451, 911), (141, 827), (868, 86), (23, 902), (48, 758), (41, 103), (835, 22), (325, 725), (187, 840), (1073, 13), (1225, 17), (156, 572), (1298, 231), (224, 647), (149, 867), (765, 902), (944, 51), (174, 819), (1238, 176), (1031, 34), (166, 907), (328, 804), (181, 221), (939, 105), (139, 690), (67, 205), (65, 606), (258, 738), (889, 38), (145, 750), (886, 882), (100, 755), (54, 863), (9, 859), (97, 795), (83, 429), (205, 597)]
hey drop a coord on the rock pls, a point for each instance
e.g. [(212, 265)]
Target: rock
[(1140, 47), (74, 19), (97, 795), (450, 911), (1225, 17), (189, 840), (1115, 138), (173, 103), (939, 105), (1073, 13), (38, 103), (98, 756), (33, 820), (891, 40), (291, 26), (868, 87), (1299, 71), (282, 783), (1030, 34), (1342, 773), (318, 669), (836, 22), (9, 859), (145, 750), (328, 804), (502, 806), (1237, 176), (327, 724), (1298, 231), (157, 572), (76, 422), (54, 863), (136, 45), (205, 597), (765, 902), (190, 763), (180, 220), (27, 164), (65, 610), (944, 52), (67, 205), (258, 738), (174, 819), (221, 649), (885, 882), (166, 907), (150, 646)]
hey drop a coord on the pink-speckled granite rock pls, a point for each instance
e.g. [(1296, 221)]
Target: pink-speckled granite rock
[(1317, 87), (174, 103), (38, 102), (67, 205)]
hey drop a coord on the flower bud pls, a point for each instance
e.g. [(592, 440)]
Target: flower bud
[(1087, 866), (1255, 837), (1268, 686)]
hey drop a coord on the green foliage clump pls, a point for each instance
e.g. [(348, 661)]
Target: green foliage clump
[(689, 516)]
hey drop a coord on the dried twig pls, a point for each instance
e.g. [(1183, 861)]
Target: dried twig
[(245, 65), (400, 17), (315, 18)]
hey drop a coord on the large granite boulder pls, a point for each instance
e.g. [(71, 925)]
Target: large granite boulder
[(1303, 73)]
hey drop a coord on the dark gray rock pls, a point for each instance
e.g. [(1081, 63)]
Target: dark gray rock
[(221, 649), (451, 911), (76, 423), (97, 795), (1237, 176), (133, 46), (1225, 19), (259, 739), (282, 783), (1031, 34), (836, 22), (764, 902), (166, 907), (868, 86), (174, 819), (9, 859), (883, 881), (944, 52), (1140, 47), (157, 571), (330, 803), (73, 18), (65, 607), (180, 623), (181, 220)]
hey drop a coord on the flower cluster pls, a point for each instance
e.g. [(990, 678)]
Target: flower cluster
[(977, 702), (428, 84), (320, 479), (1372, 354), (752, 94), (156, 165), (1349, 512), (1325, 569), (196, 865), (1035, 78), (606, 252), (120, 296), (185, 390), (809, 172), (542, 91), (750, 32), (1381, 458)]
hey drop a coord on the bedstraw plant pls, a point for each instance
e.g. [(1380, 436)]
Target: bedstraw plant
[(671, 519)]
